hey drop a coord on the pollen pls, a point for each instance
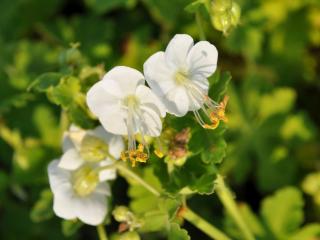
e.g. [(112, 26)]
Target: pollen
[(136, 155)]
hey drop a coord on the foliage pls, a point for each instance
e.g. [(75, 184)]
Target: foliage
[(56, 50)]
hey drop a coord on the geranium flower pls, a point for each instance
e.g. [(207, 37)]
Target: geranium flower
[(179, 75), (78, 193), (96, 147), (125, 106)]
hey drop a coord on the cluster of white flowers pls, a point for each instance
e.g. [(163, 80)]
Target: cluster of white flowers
[(125, 106), (78, 179)]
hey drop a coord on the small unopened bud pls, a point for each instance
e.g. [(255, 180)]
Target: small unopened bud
[(120, 213), (219, 6), (130, 236), (235, 14), (226, 15)]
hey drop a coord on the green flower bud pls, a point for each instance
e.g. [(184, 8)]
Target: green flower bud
[(222, 22), (219, 6), (226, 14), (120, 213), (93, 149), (85, 181), (235, 14), (130, 236)]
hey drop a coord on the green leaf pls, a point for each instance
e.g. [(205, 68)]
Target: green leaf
[(194, 6), (284, 99), (216, 152), (166, 13), (194, 175), (70, 227), (156, 212), (45, 81), (42, 210), (251, 219), (219, 83), (283, 212), (66, 93), (309, 232), (3, 181), (80, 117), (177, 233), (102, 6)]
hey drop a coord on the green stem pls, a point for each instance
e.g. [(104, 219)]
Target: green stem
[(200, 25), (229, 203), (204, 226), (102, 232), (128, 172), (189, 215)]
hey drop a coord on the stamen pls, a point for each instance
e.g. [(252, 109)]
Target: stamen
[(134, 156), (215, 112)]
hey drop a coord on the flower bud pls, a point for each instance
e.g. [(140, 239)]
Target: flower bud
[(235, 14), (226, 14), (222, 22), (130, 236), (93, 149), (219, 6), (85, 181), (120, 213)]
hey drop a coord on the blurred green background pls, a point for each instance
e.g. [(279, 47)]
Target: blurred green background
[(273, 139)]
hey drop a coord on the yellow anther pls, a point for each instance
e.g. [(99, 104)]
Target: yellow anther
[(137, 155), (158, 153), (215, 113)]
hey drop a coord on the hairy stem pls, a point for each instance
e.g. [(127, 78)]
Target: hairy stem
[(102, 232), (229, 203), (204, 226)]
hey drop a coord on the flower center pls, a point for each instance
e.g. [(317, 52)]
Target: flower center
[(85, 181), (181, 78), (93, 149), (131, 101)]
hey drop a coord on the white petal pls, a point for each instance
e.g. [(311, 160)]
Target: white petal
[(116, 146), (147, 97), (102, 97), (103, 188), (72, 138), (127, 78), (158, 74), (177, 50), (108, 174), (151, 124), (59, 179), (71, 160), (178, 101), (202, 83), (63, 207), (92, 209), (202, 59), (115, 142), (114, 122)]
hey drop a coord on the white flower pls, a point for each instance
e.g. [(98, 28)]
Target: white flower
[(97, 147), (179, 77), (125, 106), (78, 193)]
